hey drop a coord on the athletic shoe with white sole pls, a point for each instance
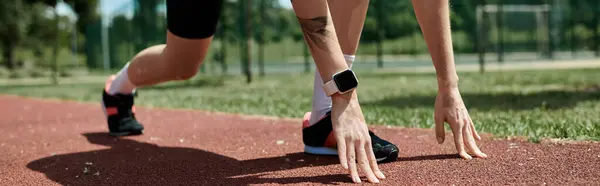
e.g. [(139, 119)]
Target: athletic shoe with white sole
[(120, 113), (319, 140)]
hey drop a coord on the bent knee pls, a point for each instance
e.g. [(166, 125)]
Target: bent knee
[(182, 70), (186, 74)]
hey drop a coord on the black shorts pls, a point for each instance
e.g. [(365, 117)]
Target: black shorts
[(193, 19)]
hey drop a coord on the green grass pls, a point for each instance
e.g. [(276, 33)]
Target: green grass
[(536, 104)]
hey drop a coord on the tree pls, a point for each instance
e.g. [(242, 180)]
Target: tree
[(88, 24), (464, 18), (226, 32), (122, 47), (380, 31), (266, 28), (39, 30), (145, 24), (54, 65), (397, 20), (259, 36), (14, 19), (245, 19)]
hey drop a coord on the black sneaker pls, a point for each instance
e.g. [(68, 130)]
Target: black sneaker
[(120, 114), (319, 140)]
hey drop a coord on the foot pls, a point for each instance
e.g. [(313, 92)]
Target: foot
[(319, 139), (119, 111)]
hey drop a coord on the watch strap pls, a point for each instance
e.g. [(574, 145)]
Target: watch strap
[(330, 88)]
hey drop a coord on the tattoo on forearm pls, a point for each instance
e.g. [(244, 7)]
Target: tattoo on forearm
[(316, 33)]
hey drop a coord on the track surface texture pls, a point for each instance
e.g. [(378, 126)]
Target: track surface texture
[(64, 143)]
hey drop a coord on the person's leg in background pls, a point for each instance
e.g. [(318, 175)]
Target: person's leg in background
[(191, 26), (348, 18)]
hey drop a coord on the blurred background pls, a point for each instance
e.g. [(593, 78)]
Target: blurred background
[(526, 67), (258, 37)]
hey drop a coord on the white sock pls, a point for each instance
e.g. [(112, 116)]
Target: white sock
[(121, 83), (321, 103)]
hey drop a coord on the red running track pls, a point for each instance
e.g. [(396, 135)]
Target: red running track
[(64, 143)]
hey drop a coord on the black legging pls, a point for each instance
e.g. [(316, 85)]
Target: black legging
[(193, 19)]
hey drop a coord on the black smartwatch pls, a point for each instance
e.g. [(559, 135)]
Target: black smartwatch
[(342, 82)]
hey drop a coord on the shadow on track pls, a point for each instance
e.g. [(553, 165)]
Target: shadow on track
[(129, 162)]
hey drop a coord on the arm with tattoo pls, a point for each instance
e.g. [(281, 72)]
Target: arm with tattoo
[(319, 34), (349, 126)]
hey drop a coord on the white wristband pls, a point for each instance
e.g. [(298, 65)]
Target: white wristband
[(330, 88)]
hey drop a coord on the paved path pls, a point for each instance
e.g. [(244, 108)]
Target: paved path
[(64, 143)]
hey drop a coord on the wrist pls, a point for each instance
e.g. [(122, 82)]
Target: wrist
[(447, 83), (337, 97)]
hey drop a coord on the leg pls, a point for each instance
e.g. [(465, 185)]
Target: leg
[(348, 18), (186, 47)]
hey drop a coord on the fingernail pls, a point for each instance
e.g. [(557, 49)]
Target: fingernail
[(381, 175), (440, 140), (466, 156)]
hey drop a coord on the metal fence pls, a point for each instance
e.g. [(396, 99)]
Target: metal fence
[(483, 31)]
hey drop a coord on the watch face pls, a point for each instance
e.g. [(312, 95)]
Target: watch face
[(345, 80)]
